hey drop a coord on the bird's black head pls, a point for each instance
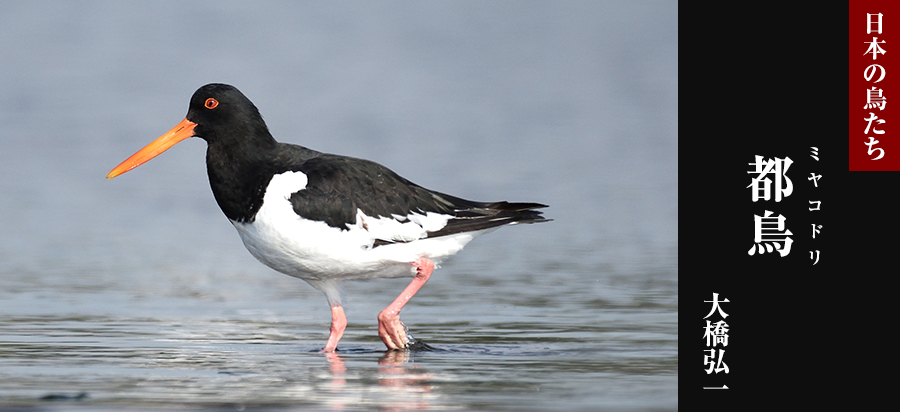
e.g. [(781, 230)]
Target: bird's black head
[(219, 114), (222, 112)]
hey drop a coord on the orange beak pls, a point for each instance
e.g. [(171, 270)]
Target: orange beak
[(178, 133)]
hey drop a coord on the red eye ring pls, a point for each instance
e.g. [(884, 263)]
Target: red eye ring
[(211, 103)]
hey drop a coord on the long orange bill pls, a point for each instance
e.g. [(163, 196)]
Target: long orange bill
[(178, 133)]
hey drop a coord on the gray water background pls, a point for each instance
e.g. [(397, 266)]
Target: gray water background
[(137, 292)]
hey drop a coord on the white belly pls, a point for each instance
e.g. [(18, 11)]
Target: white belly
[(316, 252)]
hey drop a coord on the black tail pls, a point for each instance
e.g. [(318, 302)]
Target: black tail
[(473, 216)]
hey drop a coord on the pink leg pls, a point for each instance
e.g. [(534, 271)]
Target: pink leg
[(338, 324), (390, 329)]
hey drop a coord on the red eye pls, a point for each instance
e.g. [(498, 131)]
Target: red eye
[(211, 103)]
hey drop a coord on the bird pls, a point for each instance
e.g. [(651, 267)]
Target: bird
[(327, 218)]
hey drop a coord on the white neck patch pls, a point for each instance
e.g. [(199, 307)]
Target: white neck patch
[(283, 185)]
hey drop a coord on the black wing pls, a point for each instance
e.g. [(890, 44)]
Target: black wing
[(337, 186)]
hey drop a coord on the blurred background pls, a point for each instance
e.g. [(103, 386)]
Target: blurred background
[(572, 104)]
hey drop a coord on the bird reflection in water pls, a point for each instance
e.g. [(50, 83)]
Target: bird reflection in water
[(401, 386)]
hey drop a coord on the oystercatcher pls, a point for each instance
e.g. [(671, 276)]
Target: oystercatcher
[(326, 218)]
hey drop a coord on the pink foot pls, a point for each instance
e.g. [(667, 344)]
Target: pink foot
[(338, 324), (391, 331)]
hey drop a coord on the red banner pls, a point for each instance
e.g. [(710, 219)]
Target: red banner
[(874, 70)]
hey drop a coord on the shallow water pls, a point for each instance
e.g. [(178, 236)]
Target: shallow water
[(136, 293), (518, 351)]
